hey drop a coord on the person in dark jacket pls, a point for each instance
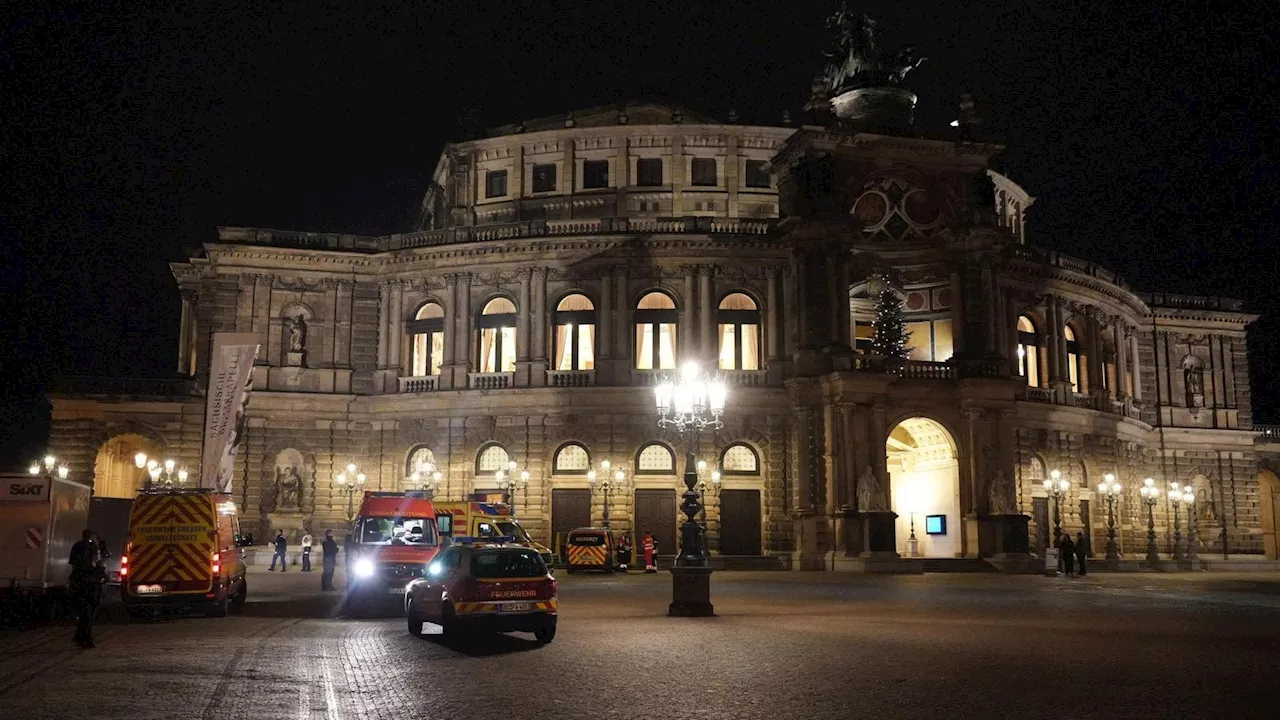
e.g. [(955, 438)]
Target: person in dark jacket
[(281, 546), (624, 553), (1068, 550), (1082, 550), (329, 560), (87, 577)]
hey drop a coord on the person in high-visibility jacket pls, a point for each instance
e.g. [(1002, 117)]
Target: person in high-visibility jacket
[(650, 553)]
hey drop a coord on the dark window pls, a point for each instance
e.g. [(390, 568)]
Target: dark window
[(495, 183), (649, 171), (507, 564), (595, 174), (544, 178), (704, 171), (757, 177)]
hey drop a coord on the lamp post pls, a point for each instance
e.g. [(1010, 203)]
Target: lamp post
[(510, 482), (164, 474), (705, 485), (46, 468), (425, 481), (1189, 499), (349, 483), (1110, 490), (1175, 497), (607, 484), (690, 404), (1057, 486), (1150, 494)]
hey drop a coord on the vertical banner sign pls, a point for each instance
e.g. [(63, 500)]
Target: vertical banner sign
[(230, 379)]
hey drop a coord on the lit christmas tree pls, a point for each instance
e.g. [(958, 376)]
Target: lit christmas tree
[(891, 335)]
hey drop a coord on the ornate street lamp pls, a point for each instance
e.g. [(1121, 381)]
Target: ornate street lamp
[(47, 469), (1189, 499), (1057, 486), (161, 474), (1110, 490), (1175, 497), (1150, 494), (510, 482), (349, 483), (690, 404), (704, 486), (425, 482), (607, 485)]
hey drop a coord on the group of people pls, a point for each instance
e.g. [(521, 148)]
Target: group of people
[(1072, 553), (648, 545), (329, 556)]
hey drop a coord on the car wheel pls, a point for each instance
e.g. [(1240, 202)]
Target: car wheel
[(219, 609), (546, 634), (415, 623)]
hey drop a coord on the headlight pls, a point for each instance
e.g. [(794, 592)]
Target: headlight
[(365, 568), (434, 569)]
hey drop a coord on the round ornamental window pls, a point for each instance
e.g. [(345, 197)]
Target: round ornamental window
[(871, 208), (943, 298), (915, 301), (921, 207)]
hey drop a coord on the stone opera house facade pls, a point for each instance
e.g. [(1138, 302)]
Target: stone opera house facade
[(559, 267)]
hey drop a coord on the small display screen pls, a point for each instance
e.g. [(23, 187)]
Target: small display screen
[(935, 524)]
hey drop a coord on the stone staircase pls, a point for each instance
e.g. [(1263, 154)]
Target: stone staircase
[(958, 565)]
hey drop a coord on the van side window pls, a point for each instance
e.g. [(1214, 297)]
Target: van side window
[(486, 530)]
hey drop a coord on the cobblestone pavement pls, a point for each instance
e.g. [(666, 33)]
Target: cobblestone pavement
[(783, 645)]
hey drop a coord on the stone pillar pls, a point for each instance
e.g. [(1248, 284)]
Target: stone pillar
[(384, 310), (876, 449), (957, 315), (803, 498), (450, 329), (523, 319), (772, 300), (184, 337), (1097, 361), (395, 327), (706, 315), (686, 346), (538, 353), (990, 344), (622, 338), (1136, 368), (1120, 341), (604, 317), (790, 304), (1053, 321), (1011, 314), (848, 462), (462, 347)]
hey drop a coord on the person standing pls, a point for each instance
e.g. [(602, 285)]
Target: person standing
[(306, 553), (624, 553), (1068, 554), (281, 545), (1082, 550), (650, 547), (328, 560), (85, 584)]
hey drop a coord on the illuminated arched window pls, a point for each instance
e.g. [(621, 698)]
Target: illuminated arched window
[(421, 461), (575, 333), (739, 319), (496, 337), (572, 459), (740, 459), (1028, 351), (655, 459), (491, 458), (426, 340), (655, 323), (1073, 357)]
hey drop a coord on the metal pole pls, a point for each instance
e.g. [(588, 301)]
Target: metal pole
[(1177, 535), (1153, 557), (1113, 553), (605, 489), (1192, 538), (1057, 515), (691, 552)]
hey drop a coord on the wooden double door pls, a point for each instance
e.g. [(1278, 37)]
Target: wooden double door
[(740, 522), (570, 509)]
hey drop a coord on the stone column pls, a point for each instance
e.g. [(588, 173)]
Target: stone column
[(772, 300), (848, 460), (791, 305), (184, 337), (523, 319), (706, 341), (876, 449), (384, 310), (450, 329), (395, 326), (1097, 360), (1136, 368), (990, 343), (604, 317), (1120, 341), (804, 498), (686, 345), (957, 315), (462, 347), (1011, 314), (1052, 331), (622, 338), (538, 369)]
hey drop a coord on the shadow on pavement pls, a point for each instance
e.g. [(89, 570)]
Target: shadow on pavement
[(484, 644)]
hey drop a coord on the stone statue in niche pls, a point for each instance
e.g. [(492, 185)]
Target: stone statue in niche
[(288, 489), (999, 492), (297, 333), (1193, 375), (870, 494)]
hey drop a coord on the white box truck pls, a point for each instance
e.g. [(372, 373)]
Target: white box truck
[(41, 517)]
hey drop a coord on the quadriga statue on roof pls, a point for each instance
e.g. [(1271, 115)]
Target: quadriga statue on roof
[(856, 62)]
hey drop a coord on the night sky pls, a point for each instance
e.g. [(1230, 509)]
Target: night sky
[(132, 129)]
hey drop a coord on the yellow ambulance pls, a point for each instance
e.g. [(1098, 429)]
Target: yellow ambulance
[(485, 520)]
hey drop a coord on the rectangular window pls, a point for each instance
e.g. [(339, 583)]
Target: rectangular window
[(730, 342), (704, 171), (497, 349), (495, 183), (757, 177), (919, 341), (595, 174), (586, 337), (649, 172), (428, 352), (943, 347), (666, 340), (544, 178)]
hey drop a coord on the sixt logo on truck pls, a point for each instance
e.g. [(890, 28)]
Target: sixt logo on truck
[(24, 489)]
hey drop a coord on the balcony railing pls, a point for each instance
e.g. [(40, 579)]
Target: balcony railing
[(1270, 432), (491, 381), (1082, 400), (571, 378), (421, 383), (1039, 395), (147, 387), (924, 370), (743, 378)]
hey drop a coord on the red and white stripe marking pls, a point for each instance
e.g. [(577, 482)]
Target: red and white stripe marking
[(35, 538)]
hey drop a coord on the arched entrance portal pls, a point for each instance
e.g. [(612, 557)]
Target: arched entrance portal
[(924, 479), (115, 474), (1269, 499)]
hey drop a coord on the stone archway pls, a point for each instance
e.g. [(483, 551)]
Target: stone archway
[(1269, 500), (115, 474), (924, 481)]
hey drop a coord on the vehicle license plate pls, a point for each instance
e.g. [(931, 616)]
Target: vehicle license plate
[(148, 589), (516, 607), (396, 590)]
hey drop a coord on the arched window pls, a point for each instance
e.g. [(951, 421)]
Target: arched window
[(571, 459), (739, 319), (575, 333), (422, 461), (655, 459), (491, 458), (656, 332), (1036, 473), (740, 459), (1073, 357), (1028, 351), (426, 339), (496, 337)]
